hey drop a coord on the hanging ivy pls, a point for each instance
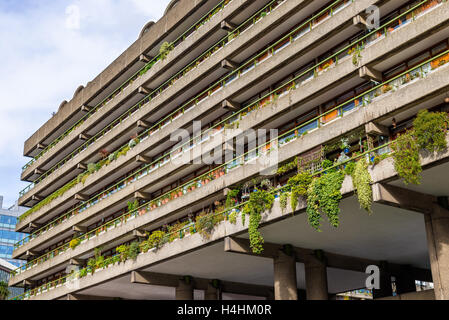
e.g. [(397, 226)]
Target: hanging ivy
[(258, 202), (406, 158), (299, 185), (430, 130), (288, 167), (283, 200), (361, 180), (324, 196)]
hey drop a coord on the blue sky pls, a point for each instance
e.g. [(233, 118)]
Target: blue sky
[(47, 49)]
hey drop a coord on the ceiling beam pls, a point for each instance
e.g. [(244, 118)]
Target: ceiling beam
[(168, 280), (338, 261), (403, 198)]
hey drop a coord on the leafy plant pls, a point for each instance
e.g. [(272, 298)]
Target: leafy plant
[(165, 50), (361, 179), (349, 169), (288, 167), (324, 196), (356, 55), (205, 224), (133, 205), (231, 196), (233, 217), (4, 290), (133, 250), (258, 202), (430, 130), (406, 158), (156, 239), (91, 168), (283, 200), (74, 243), (299, 185), (123, 252)]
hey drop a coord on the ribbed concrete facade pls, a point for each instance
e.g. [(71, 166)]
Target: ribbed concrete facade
[(115, 213)]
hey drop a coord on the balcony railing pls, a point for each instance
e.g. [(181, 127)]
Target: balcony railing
[(362, 100), (133, 78), (323, 119), (144, 102), (181, 234)]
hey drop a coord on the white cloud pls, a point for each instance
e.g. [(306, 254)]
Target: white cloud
[(47, 50)]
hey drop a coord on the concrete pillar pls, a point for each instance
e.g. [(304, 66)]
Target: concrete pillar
[(213, 291), (385, 289), (184, 291), (285, 287), (316, 278), (437, 229)]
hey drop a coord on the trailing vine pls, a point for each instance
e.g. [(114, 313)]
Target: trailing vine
[(406, 158), (299, 185), (324, 196), (283, 200), (361, 179), (258, 202)]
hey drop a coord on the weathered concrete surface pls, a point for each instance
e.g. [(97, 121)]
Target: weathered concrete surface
[(437, 229), (285, 287)]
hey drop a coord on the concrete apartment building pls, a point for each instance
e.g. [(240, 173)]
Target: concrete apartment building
[(114, 216)]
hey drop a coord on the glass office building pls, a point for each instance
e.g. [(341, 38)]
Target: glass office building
[(8, 236), (5, 269)]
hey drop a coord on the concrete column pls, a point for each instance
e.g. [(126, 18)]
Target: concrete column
[(184, 291), (385, 289), (213, 292), (437, 229), (285, 287), (316, 278)]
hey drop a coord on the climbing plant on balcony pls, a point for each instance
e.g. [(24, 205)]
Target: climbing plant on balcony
[(406, 158), (258, 202), (430, 130), (361, 179), (324, 196)]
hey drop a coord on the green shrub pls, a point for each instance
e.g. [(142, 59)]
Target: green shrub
[(430, 130), (406, 158)]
